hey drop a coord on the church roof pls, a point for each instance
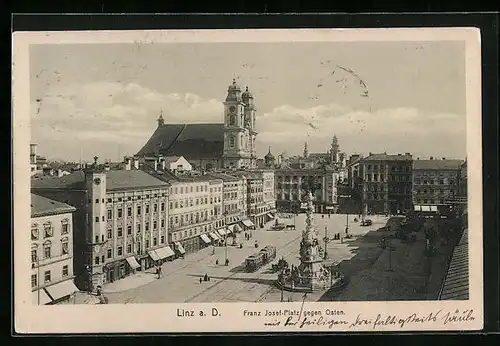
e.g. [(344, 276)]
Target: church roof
[(192, 141)]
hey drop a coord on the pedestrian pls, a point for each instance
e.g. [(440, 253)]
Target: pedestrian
[(200, 280), (227, 261), (217, 262)]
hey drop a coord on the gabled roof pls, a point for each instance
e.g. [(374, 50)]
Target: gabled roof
[(437, 164), (189, 140), (42, 206), (388, 157), (73, 181)]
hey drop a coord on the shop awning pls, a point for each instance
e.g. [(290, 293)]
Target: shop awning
[(180, 248), (154, 256), (248, 223), (426, 208), (61, 289), (205, 238), (230, 229), (214, 236), (270, 216), (222, 232), (164, 252), (417, 208), (133, 262), (236, 228), (44, 298), (434, 208)]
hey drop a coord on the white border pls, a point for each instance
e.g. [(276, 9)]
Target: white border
[(162, 317)]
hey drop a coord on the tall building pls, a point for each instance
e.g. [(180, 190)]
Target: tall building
[(120, 221), (51, 250), (435, 180), (229, 144), (291, 187), (386, 181)]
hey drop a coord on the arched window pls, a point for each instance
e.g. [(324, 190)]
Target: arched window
[(34, 232), (231, 141), (47, 246), (64, 246), (232, 119)]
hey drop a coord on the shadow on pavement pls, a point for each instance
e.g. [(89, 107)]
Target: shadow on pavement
[(248, 280)]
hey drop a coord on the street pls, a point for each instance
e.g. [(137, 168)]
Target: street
[(180, 281)]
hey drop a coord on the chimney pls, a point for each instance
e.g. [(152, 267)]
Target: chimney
[(444, 158), (407, 154), (370, 153), (432, 158), (33, 153), (156, 165), (136, 162), (128, 163)]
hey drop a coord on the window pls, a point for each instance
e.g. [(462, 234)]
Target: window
[(97, 200), (120, 212), (129, 230), (147, 208), (110, 233), (129, 248), (154, 242), (34, 232), (162, 239), (147, 226), (155, 224), (47, 276), (64, 226), (162, 206), (34, 280), (162, 223), (110, 214), (138, 227), (129, 211), (147, 243), (47, 249), (64, 246), (97, 219), (109, 253), (155, 207), (231, 141), (48, 231), (138, 210), (232, 119), (120, 251), (120, 232), (96, 239), (65, 271), (102, 258), (103, 218), (34, 255), (171, 205)]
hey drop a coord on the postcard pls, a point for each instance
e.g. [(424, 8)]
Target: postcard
[(209, 181)]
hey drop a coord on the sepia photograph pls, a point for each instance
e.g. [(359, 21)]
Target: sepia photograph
[(262, 179)]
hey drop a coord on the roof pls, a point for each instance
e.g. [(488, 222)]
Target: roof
[(120, 180), (115, 180), (42, 206), (437, 164), (388, 157), (456, 282), (189, 140), (223, 176), (247, 174)]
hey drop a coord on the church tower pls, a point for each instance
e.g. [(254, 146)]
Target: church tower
[(160, 120), (334, 151), (239, 125)]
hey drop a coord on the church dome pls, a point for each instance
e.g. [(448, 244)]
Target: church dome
[(247, 94), (269, 156), (234, 86)]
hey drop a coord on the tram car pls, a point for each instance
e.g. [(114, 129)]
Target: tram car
[(254, 262), (269, 253)]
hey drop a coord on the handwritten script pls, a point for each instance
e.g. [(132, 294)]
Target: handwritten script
[(340, 319)]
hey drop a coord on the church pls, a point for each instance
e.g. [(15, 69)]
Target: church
[(227, 145)]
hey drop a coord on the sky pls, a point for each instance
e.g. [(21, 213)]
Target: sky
[(103, 99)]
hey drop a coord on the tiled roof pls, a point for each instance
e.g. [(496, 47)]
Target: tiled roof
[(456, 282), (120, 180), (189, 140), (223, 176), (73, 181), (388, 157), (115, 180), (437, 164), (42, 206)]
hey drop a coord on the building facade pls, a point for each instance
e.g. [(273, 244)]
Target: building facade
[(387, 183), (291, 185), (51, 251), (120, 222), (435, 180)]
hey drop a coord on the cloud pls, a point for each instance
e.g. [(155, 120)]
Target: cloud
[(395, 130), (102, 116)]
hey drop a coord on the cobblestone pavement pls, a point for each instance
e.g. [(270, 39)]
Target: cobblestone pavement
[(180, 278)]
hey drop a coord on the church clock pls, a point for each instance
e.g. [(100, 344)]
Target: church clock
[(232, 109)]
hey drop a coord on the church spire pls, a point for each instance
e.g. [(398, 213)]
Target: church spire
[(160, 120)]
